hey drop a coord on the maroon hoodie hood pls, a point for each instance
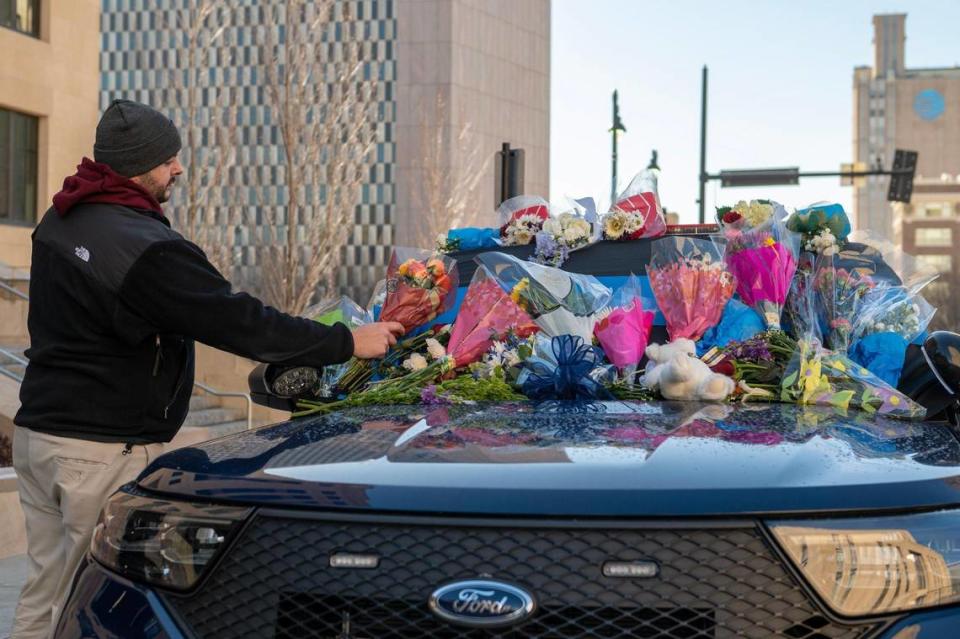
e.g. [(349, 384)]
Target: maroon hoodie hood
[(97, 182)]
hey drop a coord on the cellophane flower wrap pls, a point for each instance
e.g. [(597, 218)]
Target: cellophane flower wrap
[(690, 283), (625, 331), (486, 315), (838, 293), (344, 311), (762, 257), (420, 286), (521, 218), (823, 227), (560, 303), (817, 375), (893, 309), (887, 263), (636, 213)]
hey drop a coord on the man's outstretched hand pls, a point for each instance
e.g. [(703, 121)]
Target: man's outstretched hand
[(374, 340)]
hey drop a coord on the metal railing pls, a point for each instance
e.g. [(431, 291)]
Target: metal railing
[(218, 393), (12, 290), (16, 359)]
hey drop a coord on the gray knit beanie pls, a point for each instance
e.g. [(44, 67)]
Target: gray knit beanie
[(133, 138)]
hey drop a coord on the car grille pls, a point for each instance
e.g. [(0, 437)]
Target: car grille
[(714, 583)]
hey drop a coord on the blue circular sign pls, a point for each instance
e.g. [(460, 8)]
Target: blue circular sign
[(929, 104)]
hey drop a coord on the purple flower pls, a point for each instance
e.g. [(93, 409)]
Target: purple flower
[(752, 350), (429, 397)]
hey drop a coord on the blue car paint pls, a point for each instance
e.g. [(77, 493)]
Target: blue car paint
[(663, 460), (104, 605), (760, 459)]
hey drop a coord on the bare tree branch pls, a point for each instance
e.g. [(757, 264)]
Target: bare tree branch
[(451, 170), (323, 102)]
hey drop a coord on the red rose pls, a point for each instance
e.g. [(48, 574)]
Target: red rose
[(724, 368), (731, 216)]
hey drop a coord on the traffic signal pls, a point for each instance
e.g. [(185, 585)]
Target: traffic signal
[(901, 178), (508, 174)]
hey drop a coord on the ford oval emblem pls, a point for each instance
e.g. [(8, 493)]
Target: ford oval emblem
[(482, 603)]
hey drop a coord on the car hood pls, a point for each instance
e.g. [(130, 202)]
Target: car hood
[(597, 459)]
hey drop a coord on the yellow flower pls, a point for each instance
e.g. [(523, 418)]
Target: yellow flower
[(614, 226), (810, 378), (894, 400), (770, 241), (518, 289)]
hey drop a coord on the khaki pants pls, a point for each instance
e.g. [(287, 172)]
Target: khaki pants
[(63, 485)]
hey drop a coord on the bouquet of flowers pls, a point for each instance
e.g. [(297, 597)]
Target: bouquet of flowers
[(559, 302), (420, 286), (486, 315), (521, 218), (762, 257), (816, 375), (745, 214), (560, 235), (637, 212), (623, 333), (893, 309), (690, 283), (890, 317), (838, 293), (823, 227)]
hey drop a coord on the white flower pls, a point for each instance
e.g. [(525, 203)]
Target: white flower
[(634, 223), (572, 236), (415, 362), (553, 227), (435, 349), (522, 236), (511, 358)]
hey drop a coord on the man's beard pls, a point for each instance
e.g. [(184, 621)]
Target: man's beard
[(160, 192)]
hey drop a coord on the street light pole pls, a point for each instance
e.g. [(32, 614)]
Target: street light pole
[(616, 128), (703, 146)]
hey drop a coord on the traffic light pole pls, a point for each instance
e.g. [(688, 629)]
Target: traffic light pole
[(703, 145)]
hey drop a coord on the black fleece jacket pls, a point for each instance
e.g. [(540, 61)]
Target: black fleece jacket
[(117, 299)]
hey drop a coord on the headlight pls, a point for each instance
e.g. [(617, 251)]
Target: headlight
[(161, 542), (877, 565)]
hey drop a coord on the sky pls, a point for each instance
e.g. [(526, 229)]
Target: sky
[(780, 89)]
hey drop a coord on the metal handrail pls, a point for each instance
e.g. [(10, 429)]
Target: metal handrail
[(14, 291), (17, 360), (218, 393)]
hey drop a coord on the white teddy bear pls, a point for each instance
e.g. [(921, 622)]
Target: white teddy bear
[(675, 370)]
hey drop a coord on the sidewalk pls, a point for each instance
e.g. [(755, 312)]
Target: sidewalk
[(13, 572)]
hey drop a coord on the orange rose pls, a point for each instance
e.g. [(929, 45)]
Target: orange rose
[(435, 267), (415, 269)]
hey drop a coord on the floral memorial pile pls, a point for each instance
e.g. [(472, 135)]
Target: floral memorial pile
[(774, 306)]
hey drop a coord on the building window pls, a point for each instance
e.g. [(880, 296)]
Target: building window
[(942, 263), (934, 237), (21, 15), (18, 167)]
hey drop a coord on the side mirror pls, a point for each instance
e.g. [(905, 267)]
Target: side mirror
[(931, 375), (278, 386)]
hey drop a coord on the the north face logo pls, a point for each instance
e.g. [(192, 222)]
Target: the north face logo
[(82, 253)]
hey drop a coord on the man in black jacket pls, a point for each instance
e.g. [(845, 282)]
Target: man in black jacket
[(117, 299)]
